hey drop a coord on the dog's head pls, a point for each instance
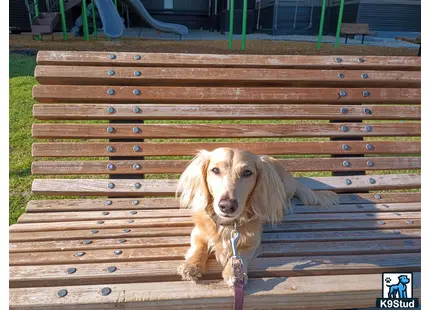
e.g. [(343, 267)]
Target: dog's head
[(404, 279), (232, 185)]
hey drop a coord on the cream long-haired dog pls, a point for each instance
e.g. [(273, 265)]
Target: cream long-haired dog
[(230, 185)]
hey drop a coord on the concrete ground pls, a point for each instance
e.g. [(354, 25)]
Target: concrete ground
[(150, 33)]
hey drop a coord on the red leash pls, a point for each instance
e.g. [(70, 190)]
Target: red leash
[(239, 279)]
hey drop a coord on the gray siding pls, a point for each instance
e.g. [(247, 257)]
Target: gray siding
[(18, 15), (381, 15), (394, 17), (178, 5)]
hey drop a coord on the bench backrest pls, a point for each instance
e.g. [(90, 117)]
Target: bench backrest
[(124, 115), (348, 28)]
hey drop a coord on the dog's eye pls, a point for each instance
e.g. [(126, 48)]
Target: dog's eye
[(246, 173), (215, 170)]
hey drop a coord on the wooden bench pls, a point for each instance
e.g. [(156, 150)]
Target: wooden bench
[(355, 29), (353, 122)]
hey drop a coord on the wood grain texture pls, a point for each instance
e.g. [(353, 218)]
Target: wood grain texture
[(178, 252), (180, 95), (314, 292), (96, 215), (166, 270), (62, 205), (177, 131), (352, 208), (178, 166), (142, 229), (224, 61), (216, 112), (92, 149), (99, 187), (151, 242), (407, 220), (96, 75)]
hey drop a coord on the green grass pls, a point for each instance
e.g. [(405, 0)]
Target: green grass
[(21, 82), (20, 65)]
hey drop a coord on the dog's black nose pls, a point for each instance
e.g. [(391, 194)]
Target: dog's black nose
[(228, 206)]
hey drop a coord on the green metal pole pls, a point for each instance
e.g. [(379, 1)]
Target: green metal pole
[(36, 8), (93, 11), (63, 19), (85, 20), (230, 38), (244, 15), (36, 15), (321, 24), (339, 23)]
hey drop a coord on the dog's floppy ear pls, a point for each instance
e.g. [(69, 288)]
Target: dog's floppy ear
[(268, 197), (192, 185)]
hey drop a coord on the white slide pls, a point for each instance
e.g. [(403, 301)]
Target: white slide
[(164, 27)]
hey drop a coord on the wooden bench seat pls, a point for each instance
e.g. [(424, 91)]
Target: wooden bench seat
[(113, 131), (355, 29)]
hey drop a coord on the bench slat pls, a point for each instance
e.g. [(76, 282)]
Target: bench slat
[(95, 215), (320, 292), (217, 112), (49, 131), (90, 75), (142, 228), (150, 242), (160, 213), (178, 252), (61, 205), (99, 187), (91, 149), (166, 270), (178, 166), (179, 95), (83, 58)]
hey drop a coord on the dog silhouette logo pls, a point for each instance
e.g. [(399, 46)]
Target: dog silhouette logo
[(397, 291)]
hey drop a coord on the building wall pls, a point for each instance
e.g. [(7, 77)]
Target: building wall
[(395, 16), (381, 15), (266, 19), (177, 5), (297, 17), (18, 15)]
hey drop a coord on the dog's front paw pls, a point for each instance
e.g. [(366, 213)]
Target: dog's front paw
[(189, 272), (229, 278)]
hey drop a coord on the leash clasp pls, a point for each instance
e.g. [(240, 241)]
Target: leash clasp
[(234, 237)]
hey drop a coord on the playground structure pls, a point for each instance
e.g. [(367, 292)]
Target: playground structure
[(113, 26), (305, 12)]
